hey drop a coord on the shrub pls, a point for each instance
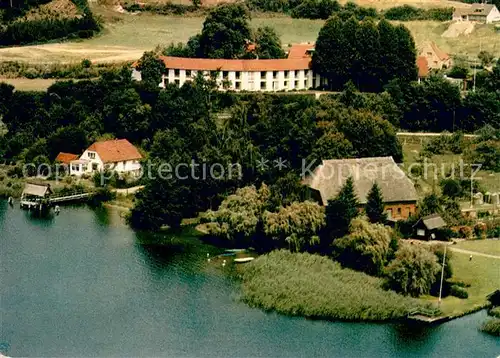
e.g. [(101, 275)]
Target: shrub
[(459, 292), (366, 248), (413, 271), (492, 327), (480, 230), (494, 312)]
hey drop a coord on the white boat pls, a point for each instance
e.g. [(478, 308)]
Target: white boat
[(243, 260), (234, 250)]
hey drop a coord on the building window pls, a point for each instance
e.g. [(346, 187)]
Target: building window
[(306, 73), (287, 74), (263, 85), (94, 166), (237, 85), (91, 155), (263, 74), (296, 83), (213, 73), (275, 74), (84, 167), (238, 75), (286, 84), (177, 82), (399, 211), (188, 73), (75, 168), (177, 73), (225, 74)]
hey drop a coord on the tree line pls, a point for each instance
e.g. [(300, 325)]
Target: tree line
[(22, 32), (323, 9)]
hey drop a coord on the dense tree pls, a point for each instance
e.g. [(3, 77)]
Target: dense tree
[(367, 54), (430, 204), (375, 205), (225, 32), (340, 211), (413, 271), (296, 226), (268, 44), (366, 248), (151, 68)]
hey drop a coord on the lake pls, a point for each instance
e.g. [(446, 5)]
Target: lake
[(80, 284)]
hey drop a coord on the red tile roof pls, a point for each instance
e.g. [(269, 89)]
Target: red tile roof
[(300, 51), (116, 150), (206, 64), (443, 56), (66, 158), (423, 66)]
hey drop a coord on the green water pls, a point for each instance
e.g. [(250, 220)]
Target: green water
[(79, 284)]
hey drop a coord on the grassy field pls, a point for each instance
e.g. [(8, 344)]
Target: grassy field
[(482, 273), (24, 84), (490, 247), (488, 180), (131, 35), (378, 4)]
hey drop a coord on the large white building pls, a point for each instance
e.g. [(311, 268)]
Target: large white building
[(118, 155), (291, 73), (486, 13)]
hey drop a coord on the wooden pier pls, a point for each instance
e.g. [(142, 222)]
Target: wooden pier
[(39, 197)]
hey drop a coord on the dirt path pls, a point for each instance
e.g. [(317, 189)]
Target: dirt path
[(474, 253)]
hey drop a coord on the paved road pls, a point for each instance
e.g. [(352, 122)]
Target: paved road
[(474, 253)]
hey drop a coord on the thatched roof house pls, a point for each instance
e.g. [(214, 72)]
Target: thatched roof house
[(37, 190), (398, 191)]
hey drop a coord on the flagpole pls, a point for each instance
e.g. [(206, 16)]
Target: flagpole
[(442, 276)]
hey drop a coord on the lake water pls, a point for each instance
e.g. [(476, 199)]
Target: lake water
[(79, 284)]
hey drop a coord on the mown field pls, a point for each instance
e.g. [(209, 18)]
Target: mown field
[(129, 36)]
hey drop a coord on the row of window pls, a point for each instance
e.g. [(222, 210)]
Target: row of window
[(225, 74), (263, 84)]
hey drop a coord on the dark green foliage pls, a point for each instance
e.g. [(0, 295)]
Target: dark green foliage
[(375, 205), (431, 204), (339, 212), (411, 13), (459, 292), (268, 44), (316, 9), (15, 69), (151, 69), (451, 188), (492, 327), (413, 271), (43, 30), (164, 9), (369, 55), (225, 32), (458, 72)]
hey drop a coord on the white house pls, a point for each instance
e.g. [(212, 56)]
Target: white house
[(118, 155), (291, 73), (487, 13)]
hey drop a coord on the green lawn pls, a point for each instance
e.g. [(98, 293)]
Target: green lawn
[(129, 35), (482, 273), (490, 247), (439, 166)]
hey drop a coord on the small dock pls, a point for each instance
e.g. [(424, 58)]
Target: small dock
[(40, 197), (429, 316)]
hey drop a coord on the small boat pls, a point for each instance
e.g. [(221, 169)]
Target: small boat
[(228, 254), (243, 260), (235, 250)]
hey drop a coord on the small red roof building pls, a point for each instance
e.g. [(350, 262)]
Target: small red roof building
[(66, 158)]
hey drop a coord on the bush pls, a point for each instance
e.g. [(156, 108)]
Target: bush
[(480, 231), (459, 292), (494, 312), (492, 327), (411, 13)]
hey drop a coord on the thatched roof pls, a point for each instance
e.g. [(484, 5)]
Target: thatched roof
[(37, 190), (434, 221), (331, 175)]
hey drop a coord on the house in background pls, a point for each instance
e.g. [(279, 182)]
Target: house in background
[(423, 68), (398, 192), (428, 226), (436, 58), (485, 13), (66, 158), (118, 155)]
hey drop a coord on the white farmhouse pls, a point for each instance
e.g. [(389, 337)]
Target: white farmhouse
[(486, 13), (118, 155)]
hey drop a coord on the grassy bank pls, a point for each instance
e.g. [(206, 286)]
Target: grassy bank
[(481, 274), (492, 327), (127, 38), (314, 286)]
